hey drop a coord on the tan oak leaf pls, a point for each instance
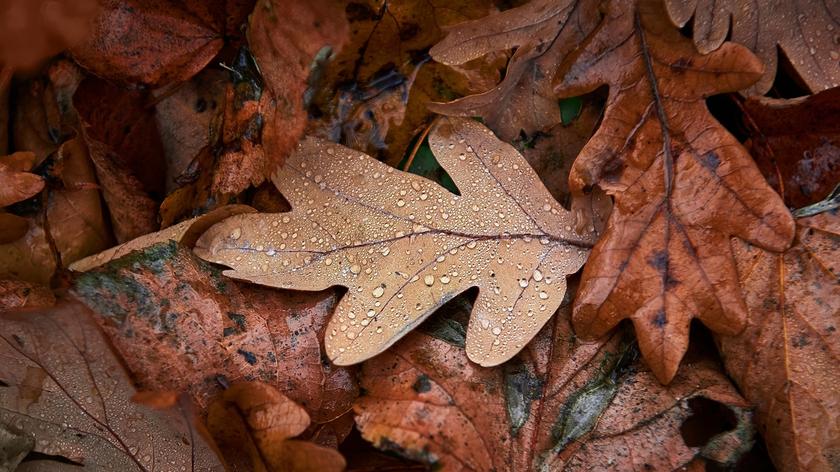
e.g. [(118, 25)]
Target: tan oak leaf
[(403, 245)]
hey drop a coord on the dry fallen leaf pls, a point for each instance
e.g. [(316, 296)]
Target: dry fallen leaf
[(786, 360), (559, 405), (253, 424), (797, 140), (181, 326), (806, 32), (404, 245), (682, 185), (543, 33), (61, 383)]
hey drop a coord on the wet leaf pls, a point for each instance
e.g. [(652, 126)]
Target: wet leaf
[(807, 33), (543, 32), (29, 258), (63, 385), (19, 294), (254, 424), (682, 185), (786, 360), (152, 42), (404, 246), (559, 405), (181, 326), (797, 140)]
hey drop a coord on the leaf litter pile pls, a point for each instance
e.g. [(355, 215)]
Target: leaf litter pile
[(411, 235)]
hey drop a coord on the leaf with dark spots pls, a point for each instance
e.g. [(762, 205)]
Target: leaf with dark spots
[(543, 32), (804, 31), (559, 405), (418, 245), (787, 360), (64, 387), (179, 325), (682, 185)]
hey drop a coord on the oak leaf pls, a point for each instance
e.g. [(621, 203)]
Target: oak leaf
[(16, 183), (543, 32), (796, 144), (561, 404), (181, 326), (61, 383), (404, 245), (806, 32), (786, 360), (254, 425), (682, 185)]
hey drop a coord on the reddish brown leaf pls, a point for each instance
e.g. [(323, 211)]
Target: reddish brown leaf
[(19, 294), (682, 185), (153, 42), (181, 326), (253, 423), (560, 405), (29, 258), (285, 39), (12, 227), (798, 141), (786, 360), (805, 32), (543, 33), (63, 385)]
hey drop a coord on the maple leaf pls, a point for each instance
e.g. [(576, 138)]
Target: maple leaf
[(61, 383), (253, 424), (561, 404), (786, 360), (543, 32), (180, 326), (682, 185), (404, 245), (797, 141), (806, 32)]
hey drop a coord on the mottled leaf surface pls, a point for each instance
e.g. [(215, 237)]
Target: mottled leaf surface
[(404, 245), (682, 185)]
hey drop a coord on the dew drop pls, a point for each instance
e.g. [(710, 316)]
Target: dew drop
[(378, 292), (355, 268), (543, 295), (236, 233), (444, 279), (497, 331), (523, 283), (429, 280), (401, 203), (538, 275)]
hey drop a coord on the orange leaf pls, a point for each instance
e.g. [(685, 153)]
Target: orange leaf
[(682, 185)]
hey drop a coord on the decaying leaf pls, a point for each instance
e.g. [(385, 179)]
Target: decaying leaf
[(285, 45), (404, 245), (797, 141), (807, 32), (19, 294), (559, 405), (181, 326), (786, 360), (29, 258), (61, 383), (151, 41), (543, 33), (185, 232), (682, 185), (253, 424)]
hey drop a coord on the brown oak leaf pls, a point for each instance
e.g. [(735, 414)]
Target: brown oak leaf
[(254, 425), (806, 32), (404, 245), (682, 185), (181, 326), (16, 183), (543, 32), (61, 383), (787, 359), (559, 405)]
